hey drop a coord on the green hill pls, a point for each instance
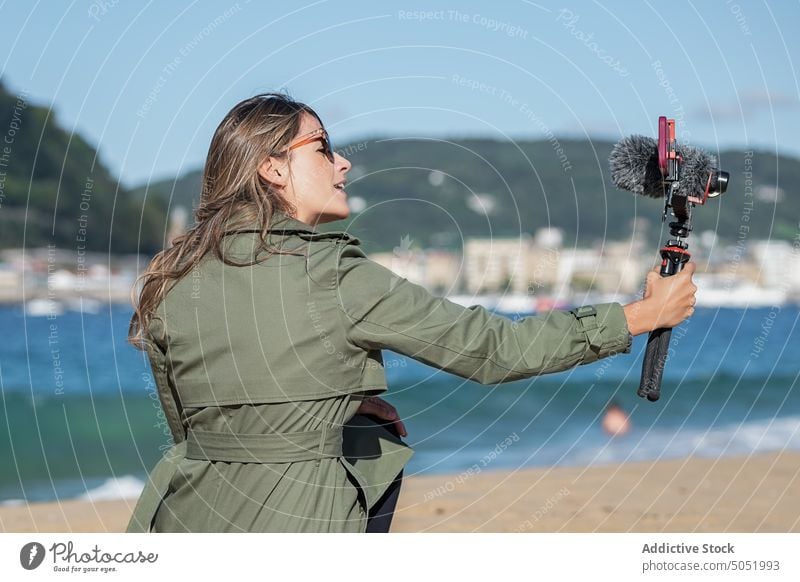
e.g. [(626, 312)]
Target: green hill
[(55, 190), (435, 191)]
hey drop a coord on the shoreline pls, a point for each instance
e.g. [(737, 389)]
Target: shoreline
[(754, 493)]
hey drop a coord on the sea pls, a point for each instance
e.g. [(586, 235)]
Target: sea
[(81, 419)]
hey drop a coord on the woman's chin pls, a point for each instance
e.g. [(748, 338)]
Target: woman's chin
[(343, 209)]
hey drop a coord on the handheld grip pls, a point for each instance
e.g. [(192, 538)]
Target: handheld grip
[(655, 358), (655, 355)]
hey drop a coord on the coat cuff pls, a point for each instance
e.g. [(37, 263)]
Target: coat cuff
[(605, 328)]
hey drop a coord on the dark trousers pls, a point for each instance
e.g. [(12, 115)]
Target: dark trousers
[(380, 516)]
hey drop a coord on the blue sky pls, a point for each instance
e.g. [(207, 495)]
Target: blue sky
[(147, 83)]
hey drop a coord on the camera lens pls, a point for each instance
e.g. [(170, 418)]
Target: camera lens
[(719, 183)]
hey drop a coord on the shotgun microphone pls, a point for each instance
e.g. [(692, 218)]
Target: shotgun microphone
[(634, 164)]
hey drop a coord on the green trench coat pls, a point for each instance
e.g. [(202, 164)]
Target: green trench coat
[(261, 369)]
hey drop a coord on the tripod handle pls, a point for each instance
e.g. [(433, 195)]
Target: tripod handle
[(655, 355), (655, 358)]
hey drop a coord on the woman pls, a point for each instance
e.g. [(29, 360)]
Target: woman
[(265, 338)]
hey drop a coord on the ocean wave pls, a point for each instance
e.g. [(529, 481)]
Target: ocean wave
[(747, 438), (125, 487), (581, 448)]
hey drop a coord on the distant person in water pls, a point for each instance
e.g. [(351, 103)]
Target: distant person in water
[(615, 420)]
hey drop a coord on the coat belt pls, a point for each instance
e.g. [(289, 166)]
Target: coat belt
[(232, 448), (264, 448)]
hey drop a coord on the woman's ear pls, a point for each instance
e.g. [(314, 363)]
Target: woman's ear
[(274, 171)]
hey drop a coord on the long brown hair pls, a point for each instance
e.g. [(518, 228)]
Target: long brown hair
[(233, 195)]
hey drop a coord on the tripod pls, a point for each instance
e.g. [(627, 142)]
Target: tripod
[(674, 255)]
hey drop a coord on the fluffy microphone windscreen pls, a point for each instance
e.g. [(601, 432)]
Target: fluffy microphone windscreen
[(696, 167), (634, 166)]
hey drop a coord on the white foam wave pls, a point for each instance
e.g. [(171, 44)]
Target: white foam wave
[(124, 487), (757, 436)]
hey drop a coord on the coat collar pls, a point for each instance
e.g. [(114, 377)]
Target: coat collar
[(280, 222), (283, 223)]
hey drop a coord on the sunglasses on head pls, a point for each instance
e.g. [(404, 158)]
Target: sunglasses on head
[(317, 135)]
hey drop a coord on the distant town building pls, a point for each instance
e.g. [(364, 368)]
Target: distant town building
[(443, 272), (779, 264), (497, 264), (578, 269), (437, 270), (549, 238), (177, 223)]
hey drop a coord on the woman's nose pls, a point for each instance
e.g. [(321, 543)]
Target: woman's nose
[(343, 163)]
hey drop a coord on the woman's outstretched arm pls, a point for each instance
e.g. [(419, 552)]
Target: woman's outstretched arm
[(383, 310)]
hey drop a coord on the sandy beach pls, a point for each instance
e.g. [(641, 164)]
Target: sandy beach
[(743, 494)]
